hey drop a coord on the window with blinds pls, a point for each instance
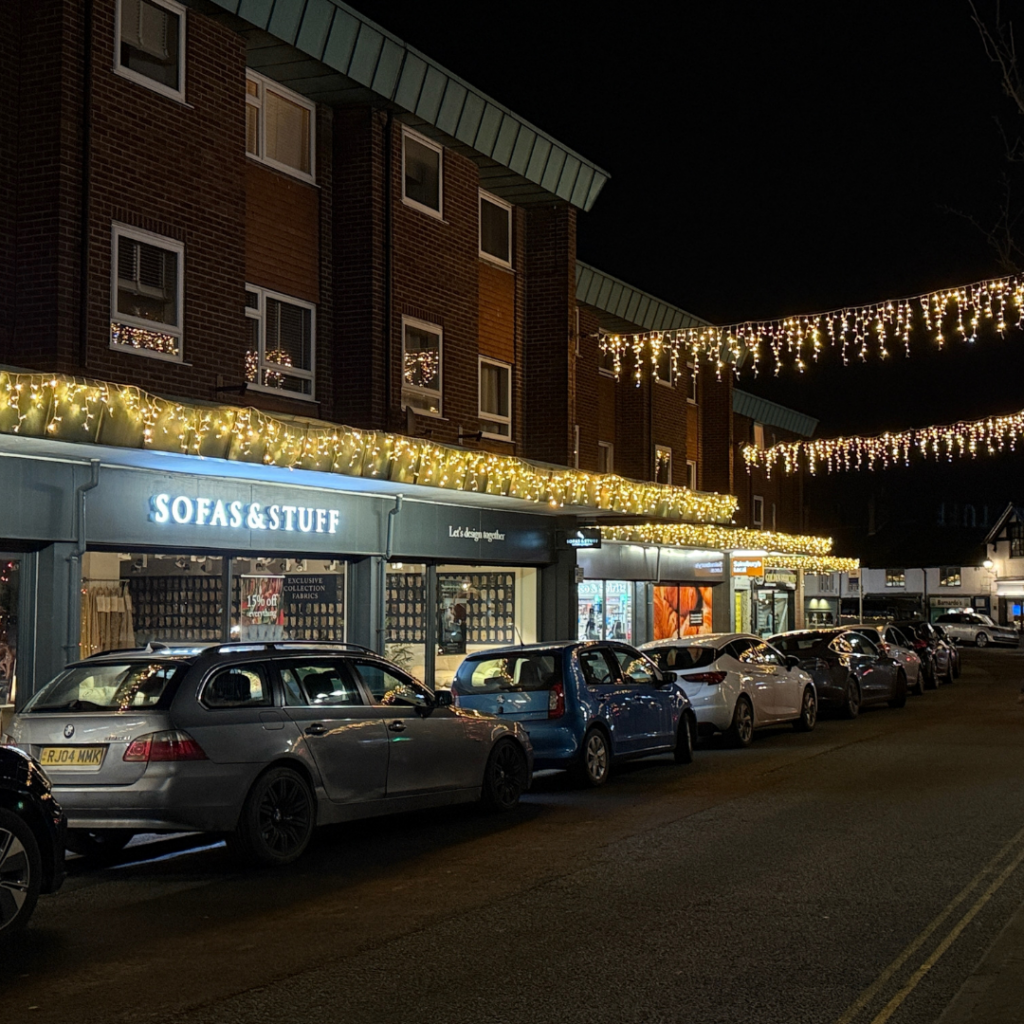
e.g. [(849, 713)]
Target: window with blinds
[(151, 44), (279, 126), (282, 349), (146, 307), (495, 399)]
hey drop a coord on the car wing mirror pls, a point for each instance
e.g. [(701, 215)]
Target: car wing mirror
[(792, 661), (443, 699)]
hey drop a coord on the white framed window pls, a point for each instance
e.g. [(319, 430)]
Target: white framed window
[(662, 464), (605, 361), (495, 229), (149, 45), (691, 383), (757, 513), (495, 399), (664, 370), (949, 576), (280, 127), (759, 435), (605, 457), (895, 577), (422, 354), (146, 307), (282, 345), (691, 474), (422, 173)]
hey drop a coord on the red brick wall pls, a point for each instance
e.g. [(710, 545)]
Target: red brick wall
[(549, 372), (10, 68), (785, 492), (716, 432)]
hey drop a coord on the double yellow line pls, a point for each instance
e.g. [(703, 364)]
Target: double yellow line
[(868, 995)]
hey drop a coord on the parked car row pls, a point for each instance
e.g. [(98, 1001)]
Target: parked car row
[(261, 742)]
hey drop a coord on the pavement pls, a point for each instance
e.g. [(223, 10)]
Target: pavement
[(994, 991)]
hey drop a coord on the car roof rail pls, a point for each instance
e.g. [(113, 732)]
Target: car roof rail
[(285, 645), (151, 648)]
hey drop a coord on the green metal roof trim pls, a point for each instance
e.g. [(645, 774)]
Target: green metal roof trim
[(772, 414), (627, 308), (349, 51)]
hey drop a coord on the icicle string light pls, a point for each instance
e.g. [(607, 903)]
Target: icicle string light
[(706, 535), (966, 439), (857, 332), (124, 416)]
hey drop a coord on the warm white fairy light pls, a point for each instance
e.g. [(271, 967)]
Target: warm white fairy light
[(857, 332), (966, 439), (79, 409)]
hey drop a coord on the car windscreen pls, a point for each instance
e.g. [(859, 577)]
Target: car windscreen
[(681, 658), (507, 673), (111, 687), (798, 643)]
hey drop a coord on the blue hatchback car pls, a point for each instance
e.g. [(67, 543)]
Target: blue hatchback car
[(584, 705)]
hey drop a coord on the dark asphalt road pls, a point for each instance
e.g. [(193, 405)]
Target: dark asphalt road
[(774, 884)]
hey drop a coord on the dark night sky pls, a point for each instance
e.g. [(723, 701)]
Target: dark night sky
[(768, 160)]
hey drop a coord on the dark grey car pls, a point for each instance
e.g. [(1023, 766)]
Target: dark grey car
[(261, 741)]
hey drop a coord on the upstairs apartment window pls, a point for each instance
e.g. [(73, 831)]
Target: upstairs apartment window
[(949, 576), (895, 577), (662, 464), (1016, 533), (605, 358), (150, 45), (279, 126), (282, 345), (495, 399), (664, 371), (605, 457), (759, 435), (691, 474), (496, 232), (421, 366), (145, 302), (757, 514), (421, 173), (691, 383)]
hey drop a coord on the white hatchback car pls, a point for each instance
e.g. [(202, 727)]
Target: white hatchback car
[(737, 683)]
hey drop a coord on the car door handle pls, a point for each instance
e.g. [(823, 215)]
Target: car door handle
[(316, 729), (398, 726)]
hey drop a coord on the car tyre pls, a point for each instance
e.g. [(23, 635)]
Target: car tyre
[(506, 776), (899, 697), (21, 872), (741, 730), (685, 739), (98, 845), (982, 639), (932, 678), (851, 700), (808, 711), (277, 819), (595, 763), (922, 682)]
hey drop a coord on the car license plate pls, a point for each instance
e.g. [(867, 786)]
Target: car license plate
[(71, 757)]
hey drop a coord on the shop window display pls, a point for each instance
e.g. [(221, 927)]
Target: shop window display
[(681, 611), (605, 610), (10, 576)]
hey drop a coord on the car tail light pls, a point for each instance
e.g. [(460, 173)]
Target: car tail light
[(704, 677), (164, 746), (556, 701)]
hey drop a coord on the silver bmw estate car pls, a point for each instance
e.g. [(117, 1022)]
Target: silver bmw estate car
[(261, 741)]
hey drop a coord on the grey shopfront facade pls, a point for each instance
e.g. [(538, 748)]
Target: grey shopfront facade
[(139, 517)]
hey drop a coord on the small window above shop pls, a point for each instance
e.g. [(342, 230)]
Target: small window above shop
[(495, 399), (949, 576), (757, 511), (664, 367), (279, 127), (895, 577), (422, 173), (496, 230), (662, 464), (422, 352), (150, 45)]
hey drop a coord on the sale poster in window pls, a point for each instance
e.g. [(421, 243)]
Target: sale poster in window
[(262, 608), (681, 611)]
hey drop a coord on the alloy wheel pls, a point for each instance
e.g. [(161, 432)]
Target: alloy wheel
[(596, 757), (507, 770), (744, 722), (283, 815), (15, 877)]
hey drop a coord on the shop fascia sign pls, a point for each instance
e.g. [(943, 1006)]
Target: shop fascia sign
[(186, 510), (745, 566), (584, 538), (470, 533)]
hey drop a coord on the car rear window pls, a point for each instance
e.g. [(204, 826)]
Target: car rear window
[(681, 658), (111, 686), (797, 643), (530, 670)]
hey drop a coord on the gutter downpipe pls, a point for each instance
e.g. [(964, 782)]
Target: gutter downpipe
[(382, 628), (72, 647)]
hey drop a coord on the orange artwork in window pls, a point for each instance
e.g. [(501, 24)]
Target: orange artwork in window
[(681, 611)]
